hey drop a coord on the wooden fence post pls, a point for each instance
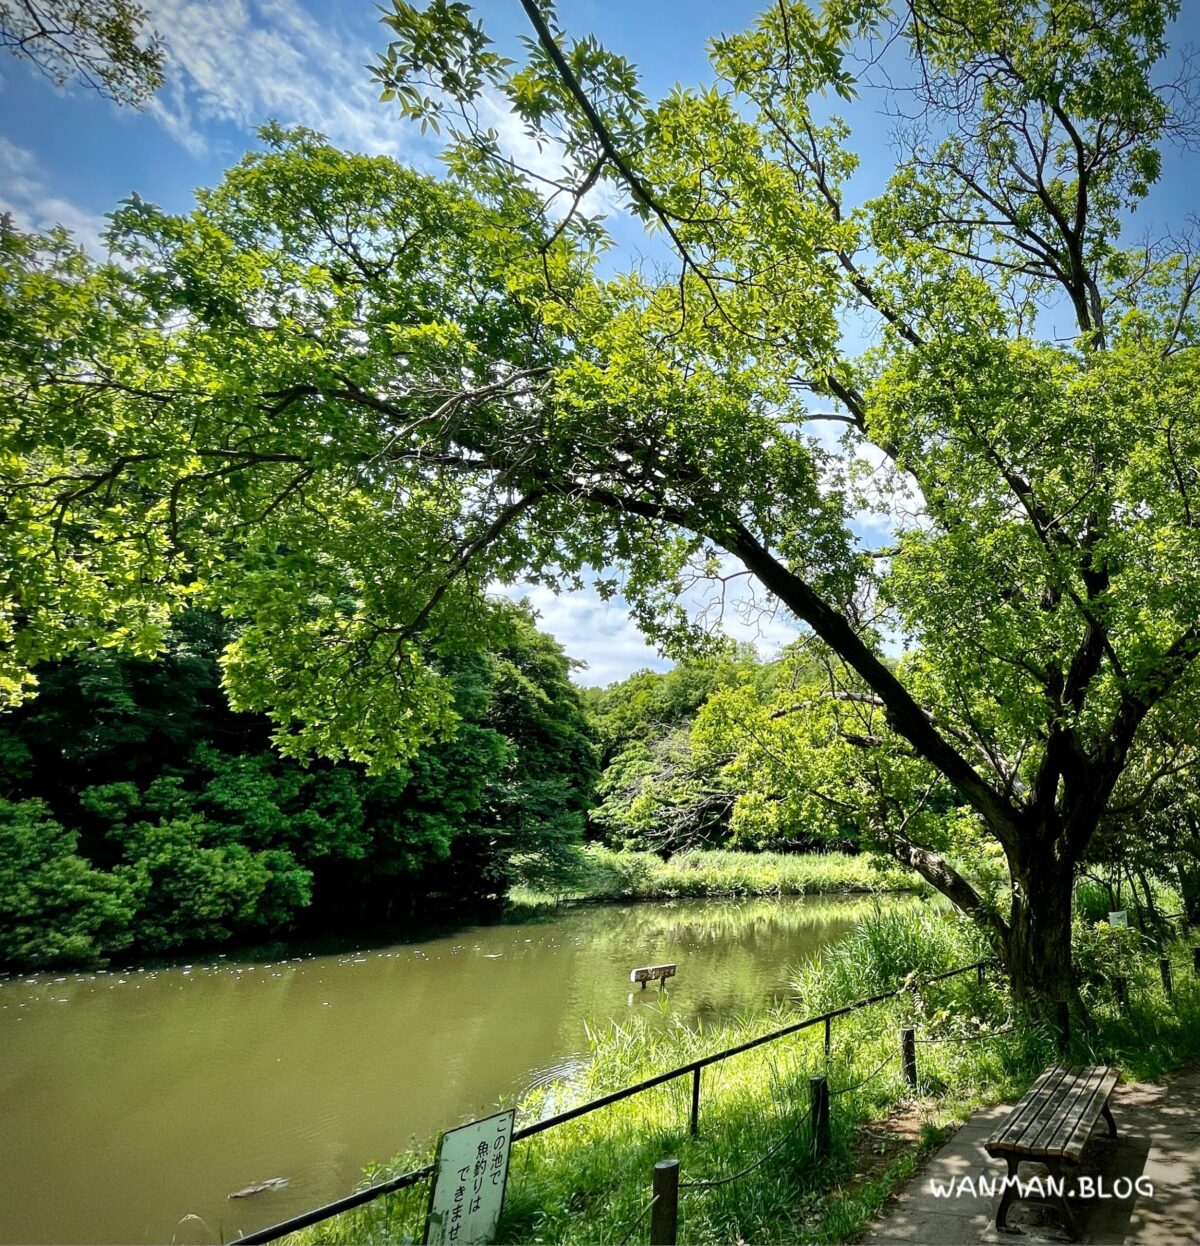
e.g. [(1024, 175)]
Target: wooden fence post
[(1164, 968), (818, 1091), (908, 1055), (664, 1215)]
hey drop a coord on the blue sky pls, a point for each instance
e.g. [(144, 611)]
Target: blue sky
[(67, 157)]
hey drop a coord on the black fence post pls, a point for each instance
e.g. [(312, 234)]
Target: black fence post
[(979, 973), (829, 1026), (1164, 968), (1063, 1011), (695, 1101), (908, 1055), (664, 1215), (1121, 991), (818, 1092)]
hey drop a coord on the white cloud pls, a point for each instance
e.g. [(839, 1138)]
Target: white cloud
[(602, 634), (244, 61), (597, 632), (24, 194)]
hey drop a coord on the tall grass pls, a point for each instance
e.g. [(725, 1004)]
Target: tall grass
[(606, 874), (588, 1181), (887, 949), (1093, 901)]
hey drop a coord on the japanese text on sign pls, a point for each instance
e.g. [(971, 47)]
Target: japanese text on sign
[(469, 1176)]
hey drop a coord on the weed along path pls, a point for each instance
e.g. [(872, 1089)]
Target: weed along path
[(1145, 1183), (136, 1103)]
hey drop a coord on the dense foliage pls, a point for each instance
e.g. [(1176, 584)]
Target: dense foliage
[(141, 813), (653, 793), (672, 781), (339, 400)]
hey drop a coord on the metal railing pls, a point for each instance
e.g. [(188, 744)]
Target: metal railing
[(694, 1067)]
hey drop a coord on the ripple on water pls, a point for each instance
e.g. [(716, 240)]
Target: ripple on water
[(563, 1071)]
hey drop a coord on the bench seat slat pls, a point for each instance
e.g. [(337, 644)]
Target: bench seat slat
[(1074, 1144), (1027, 1109), (1050, 1110), (1051, 1138)]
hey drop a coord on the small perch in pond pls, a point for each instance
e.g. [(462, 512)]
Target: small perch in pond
[(652, 973)]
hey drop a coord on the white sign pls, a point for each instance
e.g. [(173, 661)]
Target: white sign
[(1119, 918), (652, 973), (469, 1175)]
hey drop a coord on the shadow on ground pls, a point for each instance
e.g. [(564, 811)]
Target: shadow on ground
[(1158, 1142)]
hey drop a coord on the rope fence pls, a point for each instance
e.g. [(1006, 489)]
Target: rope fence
[(633, 1224), (969, 1038), (845, 1090), (773, 1150)]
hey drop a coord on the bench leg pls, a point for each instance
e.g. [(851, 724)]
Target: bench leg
[(1010, 1195), (1061, 1174), (1108, 1120)]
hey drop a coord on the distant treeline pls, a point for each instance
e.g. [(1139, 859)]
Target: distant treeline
[(667, 787), (140, 815)]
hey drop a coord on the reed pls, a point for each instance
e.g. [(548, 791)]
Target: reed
[(607, 874), (587, 1181)]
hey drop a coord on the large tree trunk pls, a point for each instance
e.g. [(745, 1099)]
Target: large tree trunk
[(1189, 889), (1037, 949)]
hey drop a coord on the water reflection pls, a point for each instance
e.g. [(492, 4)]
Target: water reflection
[(131, 1100)]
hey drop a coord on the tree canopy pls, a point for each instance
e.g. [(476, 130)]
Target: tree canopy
[(340, 400), (102, 44), (137, 812)]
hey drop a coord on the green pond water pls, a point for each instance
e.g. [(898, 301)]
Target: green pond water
[(133, 1101)]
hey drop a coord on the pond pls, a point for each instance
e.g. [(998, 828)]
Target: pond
[(133, 1101)]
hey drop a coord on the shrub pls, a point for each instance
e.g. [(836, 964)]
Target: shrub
[(54, 908)]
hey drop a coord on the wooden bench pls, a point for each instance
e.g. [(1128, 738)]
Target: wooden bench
[(1050, 1126)]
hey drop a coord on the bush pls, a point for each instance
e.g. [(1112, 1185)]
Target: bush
[(1102, 952), (192, 888), (54, 908)]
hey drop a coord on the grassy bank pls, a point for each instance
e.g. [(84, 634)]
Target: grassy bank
[(623, 875), (588, 1180)]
